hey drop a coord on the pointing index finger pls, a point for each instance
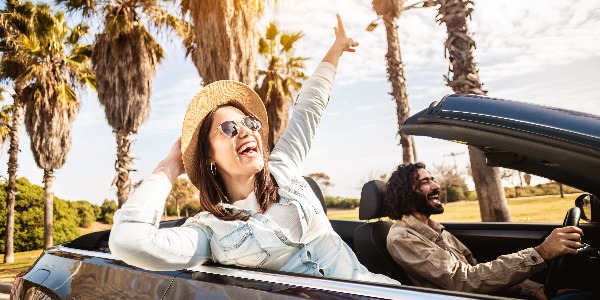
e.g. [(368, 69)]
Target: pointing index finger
[(340, 24)]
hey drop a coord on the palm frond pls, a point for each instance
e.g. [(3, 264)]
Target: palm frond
[(287, 40), (86, 7), (272, 32), (77, 33)]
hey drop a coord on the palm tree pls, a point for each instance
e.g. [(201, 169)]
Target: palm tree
[(57, 65), (16, 27), (125, 59), (5, 121), (389, 11), (281, 79), (224, 41), (465, 80)]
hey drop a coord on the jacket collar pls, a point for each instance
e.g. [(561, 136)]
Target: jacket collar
[(431, 231)]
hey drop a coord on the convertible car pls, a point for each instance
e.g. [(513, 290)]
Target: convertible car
[(554, 143)]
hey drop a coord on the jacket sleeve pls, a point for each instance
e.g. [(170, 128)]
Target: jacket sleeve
[(136, 239), (526, 288), (435, 265), (293, 146)]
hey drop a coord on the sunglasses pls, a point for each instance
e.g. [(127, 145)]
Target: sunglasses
[(232, 129)]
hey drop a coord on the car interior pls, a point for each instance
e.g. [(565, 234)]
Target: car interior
[(368, 239)]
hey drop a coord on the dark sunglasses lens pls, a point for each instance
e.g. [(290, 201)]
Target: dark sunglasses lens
[(252, 123), (229, 128)]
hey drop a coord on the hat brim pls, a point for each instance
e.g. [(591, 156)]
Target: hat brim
[(213, 95)]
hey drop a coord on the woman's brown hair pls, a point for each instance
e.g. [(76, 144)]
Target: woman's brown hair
[(211, 186)]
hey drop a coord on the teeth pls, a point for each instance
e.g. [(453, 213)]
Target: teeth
[(246, 146)]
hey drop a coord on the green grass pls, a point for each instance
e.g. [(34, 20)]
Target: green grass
[(546, 209), (23, 260)]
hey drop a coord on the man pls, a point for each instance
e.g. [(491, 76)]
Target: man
[(433, 257)]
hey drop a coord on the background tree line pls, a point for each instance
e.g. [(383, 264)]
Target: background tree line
[(69, 216)]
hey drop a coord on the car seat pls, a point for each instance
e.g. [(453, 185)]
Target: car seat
[(370, 239)]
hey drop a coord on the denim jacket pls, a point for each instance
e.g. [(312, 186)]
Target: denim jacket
[(258, 242)]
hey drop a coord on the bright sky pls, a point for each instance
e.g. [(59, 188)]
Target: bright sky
[(544, 51)]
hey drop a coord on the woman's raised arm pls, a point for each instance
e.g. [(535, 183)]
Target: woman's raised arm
[(312, 100)]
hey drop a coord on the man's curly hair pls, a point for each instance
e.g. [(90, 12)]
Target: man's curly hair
[(400, 196)]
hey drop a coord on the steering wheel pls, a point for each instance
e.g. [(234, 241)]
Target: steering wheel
[(556, 265)]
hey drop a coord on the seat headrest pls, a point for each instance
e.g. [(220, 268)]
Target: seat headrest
[(371, 200), (317, 190)]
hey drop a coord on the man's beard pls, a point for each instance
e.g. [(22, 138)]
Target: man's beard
[(426, 207)]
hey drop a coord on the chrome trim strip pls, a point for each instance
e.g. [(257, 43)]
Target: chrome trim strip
[(355, 288), (82, 252)]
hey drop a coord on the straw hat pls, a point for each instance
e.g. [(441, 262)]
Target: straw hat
[(211, 96)]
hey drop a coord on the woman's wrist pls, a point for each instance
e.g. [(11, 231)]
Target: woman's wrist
[(333, 55), (170, 170)]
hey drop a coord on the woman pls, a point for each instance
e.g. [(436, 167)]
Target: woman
[(258, 212)]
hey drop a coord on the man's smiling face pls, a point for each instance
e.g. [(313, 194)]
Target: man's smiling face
[(428, 192)]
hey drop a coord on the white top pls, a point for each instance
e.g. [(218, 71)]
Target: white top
[(284, 214)]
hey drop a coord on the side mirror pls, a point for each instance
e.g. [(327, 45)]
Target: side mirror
[(589, 206)]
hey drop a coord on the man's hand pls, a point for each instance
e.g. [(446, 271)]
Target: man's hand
[(561, 241)]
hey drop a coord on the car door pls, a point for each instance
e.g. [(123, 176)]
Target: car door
[(78, 274)]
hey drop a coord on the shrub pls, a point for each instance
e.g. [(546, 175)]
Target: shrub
[(87, 212), (29, 217), (339, 202), (456, 193), (551, 188), (107, 210)]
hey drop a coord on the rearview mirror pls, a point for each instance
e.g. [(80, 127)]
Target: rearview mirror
[(589, 206)]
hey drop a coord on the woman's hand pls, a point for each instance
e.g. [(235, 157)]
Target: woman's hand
[(172, 164), (341, 44)]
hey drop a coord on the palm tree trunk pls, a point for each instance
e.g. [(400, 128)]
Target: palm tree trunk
[(11, 188), (123, 166), (414, 148), (465, 80), (48, 207), (492, 201), (395, 69), (226, 39)]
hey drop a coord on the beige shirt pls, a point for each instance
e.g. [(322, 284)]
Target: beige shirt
[(432, 257)]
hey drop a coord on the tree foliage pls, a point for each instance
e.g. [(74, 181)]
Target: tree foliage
[(107, 210), (342, 203), (29, 217), (280, 79), (5, 119), (452, 182), (182, 198), (322, 180)]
